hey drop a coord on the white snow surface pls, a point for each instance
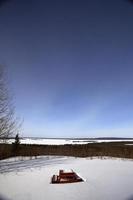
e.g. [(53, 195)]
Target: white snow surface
[(42, 141), (29, 179)]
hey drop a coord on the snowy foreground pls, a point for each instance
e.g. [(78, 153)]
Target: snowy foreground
[(29, 179)]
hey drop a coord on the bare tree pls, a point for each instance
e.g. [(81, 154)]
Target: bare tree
[(8, 122)]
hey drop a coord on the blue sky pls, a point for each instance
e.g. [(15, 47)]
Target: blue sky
[(70, 65)]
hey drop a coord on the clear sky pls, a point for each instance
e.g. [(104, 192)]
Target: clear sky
[(70, 64)]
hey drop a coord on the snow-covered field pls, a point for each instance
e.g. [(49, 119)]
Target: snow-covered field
[(41, 141), (29, 179)]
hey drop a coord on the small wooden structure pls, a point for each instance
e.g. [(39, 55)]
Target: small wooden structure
[(66, 177)]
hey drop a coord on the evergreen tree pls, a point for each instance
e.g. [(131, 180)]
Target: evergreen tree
[(17, 140)]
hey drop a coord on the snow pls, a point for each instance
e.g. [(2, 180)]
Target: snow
[(29, 179), (41, 141), (47, 141)]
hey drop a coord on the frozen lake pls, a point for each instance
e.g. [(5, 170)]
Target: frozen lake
[(44, 141), (29, 179)]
